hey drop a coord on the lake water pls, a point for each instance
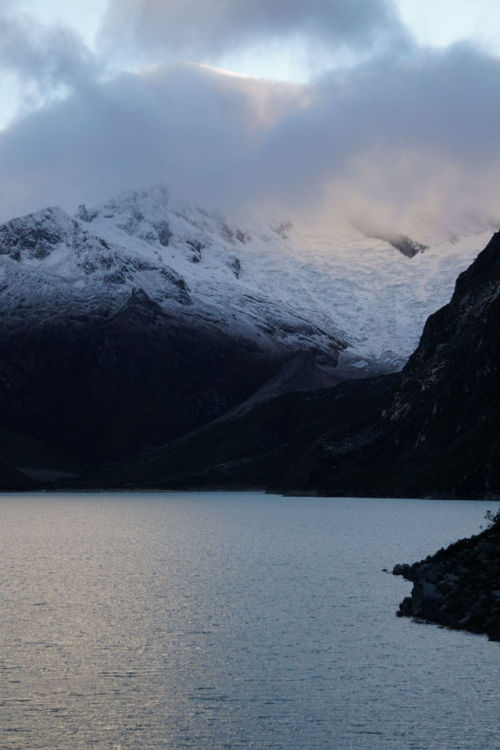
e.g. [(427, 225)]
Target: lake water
[(232, 620)]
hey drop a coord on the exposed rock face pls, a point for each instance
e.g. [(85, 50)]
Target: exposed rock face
[(401, 242), (407, 246), (439, 435), (458, 587), (446, 410), (38, 235)]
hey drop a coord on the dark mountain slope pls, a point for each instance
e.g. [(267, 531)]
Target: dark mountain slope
[(106, 351), (440, 433), (109, 387), (119, 382), (259, 444), (431, 431)]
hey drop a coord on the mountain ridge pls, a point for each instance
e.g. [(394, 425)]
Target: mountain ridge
[(137, 323), (295, 284)]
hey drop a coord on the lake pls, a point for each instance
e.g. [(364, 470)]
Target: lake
[(232, 620)]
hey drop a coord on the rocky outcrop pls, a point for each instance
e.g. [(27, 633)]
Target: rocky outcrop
[(401, 242), (458, 587)]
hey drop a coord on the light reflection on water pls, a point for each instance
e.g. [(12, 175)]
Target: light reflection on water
[(231, 620)]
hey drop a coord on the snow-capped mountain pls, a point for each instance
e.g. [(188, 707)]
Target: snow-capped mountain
[(136, 322), (298, 283), (281, 284)]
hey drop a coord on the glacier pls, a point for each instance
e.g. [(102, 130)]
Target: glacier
[(287, 285)]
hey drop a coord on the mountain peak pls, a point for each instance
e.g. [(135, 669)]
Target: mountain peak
[(36, 235)]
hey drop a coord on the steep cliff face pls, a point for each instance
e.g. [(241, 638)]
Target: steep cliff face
[(447, 408), (456, 365), (439, 434)]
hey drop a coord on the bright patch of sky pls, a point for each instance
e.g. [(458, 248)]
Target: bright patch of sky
[(442, 22), (84, 16), (286, 61)]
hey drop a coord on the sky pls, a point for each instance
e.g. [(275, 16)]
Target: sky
[(370, 108)]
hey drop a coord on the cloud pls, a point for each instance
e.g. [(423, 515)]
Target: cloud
[(398, 138), (45, 59), (188, 125), (418, 134), (205, 30)]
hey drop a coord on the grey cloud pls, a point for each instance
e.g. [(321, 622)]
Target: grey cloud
[(207, 29), (182, 124), (398, 138), (44, 58), (403, 130)]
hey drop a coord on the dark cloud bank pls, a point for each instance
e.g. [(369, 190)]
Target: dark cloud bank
[(410, 132), (209, 28)]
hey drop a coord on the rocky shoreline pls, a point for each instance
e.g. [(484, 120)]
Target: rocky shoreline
[(458, 587)]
